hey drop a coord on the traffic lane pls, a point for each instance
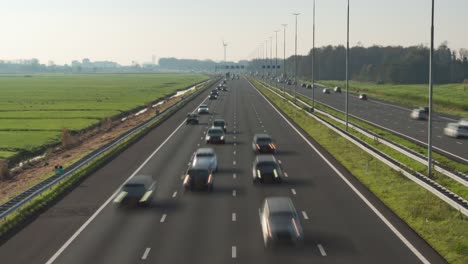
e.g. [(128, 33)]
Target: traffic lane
[(361, 236), (57, 223), (201, 232), (395, 119), (115, 235)]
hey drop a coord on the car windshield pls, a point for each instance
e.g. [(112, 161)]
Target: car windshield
[(215, 132), (198, 173), (134, 188), (263, 140), (205, 154), (266, 166), (218, 123)]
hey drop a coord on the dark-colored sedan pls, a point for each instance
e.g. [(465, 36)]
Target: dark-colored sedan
[(138, 190), (192, 119), (221, 124), (199, 176), (215, 135), (213, 97), (266, 169), (309, 86), (363, 97), (263, 143)]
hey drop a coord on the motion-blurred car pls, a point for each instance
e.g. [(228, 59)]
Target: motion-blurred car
[(280, 221), (213, 96), (463, 122), (263, 143), (221, 124), (289, 82), (138, 190), (192, 118), (337, 89), (326, 91), (203, 109), (224, 88), (309, 86), (207, 154), (199, 176), (421, 113), (266, 169), (303, 85), (456, 130), (363, 97), (215, 135), (215, 91)]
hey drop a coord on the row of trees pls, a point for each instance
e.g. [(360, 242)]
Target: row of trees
[(385, 64)]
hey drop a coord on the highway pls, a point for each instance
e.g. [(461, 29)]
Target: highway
[(343, 222), (393, 117)]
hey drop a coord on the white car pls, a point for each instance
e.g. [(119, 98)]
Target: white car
[(326, 90), (207, 154), (203, 109), (463, 122), (279, 221), (456, 130), (421, 113)]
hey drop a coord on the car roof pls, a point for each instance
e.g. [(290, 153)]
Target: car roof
[(201, 164), (265, 158), (219, 120), (141, 179), (203, 105), (205, 150), (280, 204)]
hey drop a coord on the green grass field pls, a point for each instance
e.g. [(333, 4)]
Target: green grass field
[(448, 98), (34, 109)]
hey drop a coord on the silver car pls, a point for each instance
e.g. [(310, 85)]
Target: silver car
[(280, 221), (208, 155), (139, 190), (421, 113), (456, 130), (203, 109)]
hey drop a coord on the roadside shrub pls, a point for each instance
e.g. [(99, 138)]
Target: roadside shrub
[(4, 171), (68, 139)]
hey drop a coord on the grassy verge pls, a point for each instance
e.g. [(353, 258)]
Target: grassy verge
[(448, 98), (41, 201), (440, 225)]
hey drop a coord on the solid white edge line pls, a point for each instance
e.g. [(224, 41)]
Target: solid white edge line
[(98, 211), (364, 199), (322, 250), (145, 255)]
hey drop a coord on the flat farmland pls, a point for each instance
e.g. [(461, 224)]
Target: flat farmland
[(35, 108)]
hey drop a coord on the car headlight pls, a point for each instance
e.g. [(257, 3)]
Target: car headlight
[(222, 137), (208, 137), (259, 174)]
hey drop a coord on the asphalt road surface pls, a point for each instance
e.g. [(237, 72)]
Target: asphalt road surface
[(395, 118), (342, 221)]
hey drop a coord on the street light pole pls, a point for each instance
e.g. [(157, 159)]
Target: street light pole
[(347, 69), (271, 55), (313, 60), (295, 59), (276, 58), (284, 57), (431, 84)]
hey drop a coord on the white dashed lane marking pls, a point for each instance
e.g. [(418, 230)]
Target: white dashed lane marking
[(322, 250), (234, 252), (174, 194), (163, 218), (293, 191), (234, 193), (234, 175), (146, 253), (234, 217)]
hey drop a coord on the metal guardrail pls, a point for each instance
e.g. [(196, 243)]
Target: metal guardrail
[(18, 201), (457, 176), (446, 195)]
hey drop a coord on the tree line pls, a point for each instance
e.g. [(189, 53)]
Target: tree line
[(393, 64)]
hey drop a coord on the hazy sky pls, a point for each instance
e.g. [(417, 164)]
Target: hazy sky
[(127, 30)]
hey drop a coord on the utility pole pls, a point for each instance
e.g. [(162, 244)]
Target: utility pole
[(431, 84), (276, 57), (313, 60), (284, 58), (271, 55), (266, 59), (295, 59), (347, 69)]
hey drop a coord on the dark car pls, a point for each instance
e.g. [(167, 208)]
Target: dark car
[(309, 86), (363, 97), (199, 176), (221, 124), (263, 143), (224, 88), (213, 97), (289, 82), (279, 221), (138, 190), (303, 85), (266, 169), (192, 118), (215, 135), (337, 89), (215, 91)]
